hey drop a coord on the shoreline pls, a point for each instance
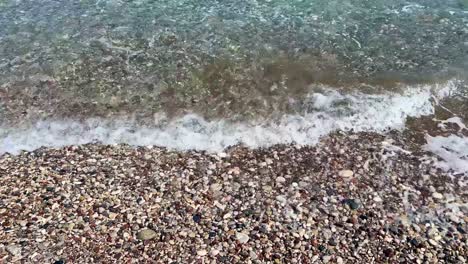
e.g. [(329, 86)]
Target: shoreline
[(350, 198)]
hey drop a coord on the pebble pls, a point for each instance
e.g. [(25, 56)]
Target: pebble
[(437, 195), (353, 204), (254, 218), (432, 242), (281, 199), (146, 234), (196, 218), (377, 199), (346, 173), (242, 237), (280, 179), (327, 259), (202, 252), (14, 250), (216, 187)]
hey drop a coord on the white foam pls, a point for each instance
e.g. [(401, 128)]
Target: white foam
[(329, 111), (453, 120), (453, 150)]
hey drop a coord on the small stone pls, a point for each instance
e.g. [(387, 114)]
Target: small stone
[(388, 252), (242, 238), (432, 242), (214, 252), (227, 215), (146, 234), (437, 195), (196, 218), (346, 173), (280, 179), (202, 252), (14, 250), (281, 199), (432, 232), (352, 204), (112, 216), (216, 187), (339, 260), (377, 199), (326, 259), (415, 242), (454, 218)]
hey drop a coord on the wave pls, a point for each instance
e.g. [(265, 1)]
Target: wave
[(327, 112)]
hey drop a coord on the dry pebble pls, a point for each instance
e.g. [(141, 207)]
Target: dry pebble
[(146, 234), (283, 204)]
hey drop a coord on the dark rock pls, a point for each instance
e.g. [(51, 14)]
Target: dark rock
[(352, 204), (415, 243), (196, 218), (212, 234), (388, 252)]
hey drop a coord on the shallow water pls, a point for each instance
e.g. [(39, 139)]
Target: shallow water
[(208, 74)]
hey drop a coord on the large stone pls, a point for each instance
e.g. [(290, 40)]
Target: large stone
[(146, 234), (216, 187), (437, 195), (242, 238), (346, 173), (353, 204), (14, 250)]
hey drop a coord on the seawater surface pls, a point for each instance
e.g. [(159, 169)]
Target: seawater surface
[(210, 74)]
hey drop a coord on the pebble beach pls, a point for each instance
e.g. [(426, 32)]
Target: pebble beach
[(352, 198), (241, 131)]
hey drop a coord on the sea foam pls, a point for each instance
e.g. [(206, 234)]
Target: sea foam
[(328, 111)]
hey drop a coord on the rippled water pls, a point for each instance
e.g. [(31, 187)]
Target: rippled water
[(207, 74)]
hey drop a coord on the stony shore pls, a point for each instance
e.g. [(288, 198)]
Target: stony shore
[(350, 199)]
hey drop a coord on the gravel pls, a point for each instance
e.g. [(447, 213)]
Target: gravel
[(284, 204)]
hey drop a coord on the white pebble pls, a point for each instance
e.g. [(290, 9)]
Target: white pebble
[(242, 238), (326, 259), (14, 250), (281, 199), (437, 195), (215, 187), (202, 252), (280, 179), (346, 173)]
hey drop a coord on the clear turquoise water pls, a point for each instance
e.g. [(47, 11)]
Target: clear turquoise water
[(165, 72)]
